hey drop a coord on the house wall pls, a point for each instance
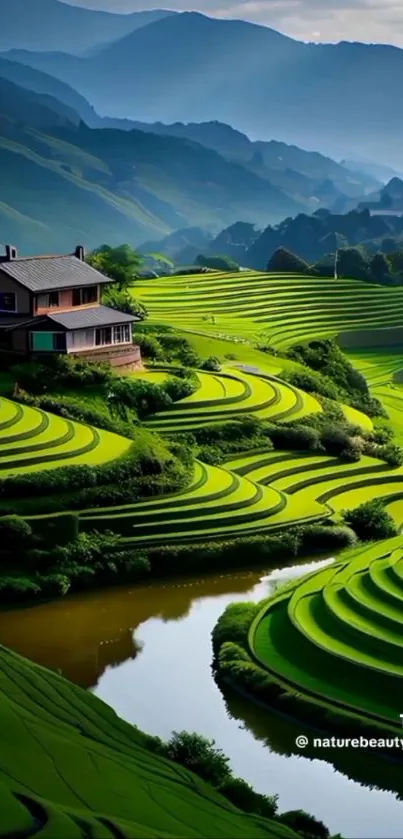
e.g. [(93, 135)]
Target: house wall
[(22, 295), (65, 302), (19, 340)]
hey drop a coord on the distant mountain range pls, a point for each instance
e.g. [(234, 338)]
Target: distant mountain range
[(310, 237), (69, 174), (187, 67), (62, 181), (52, 25)]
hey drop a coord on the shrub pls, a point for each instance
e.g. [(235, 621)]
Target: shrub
[(178, 388), (304, 824), (177, 347), (301, 437), (65, 370), (140, 460), (211, 363), (142, 396), (336, 441), (312, 383), (17, 588), (200, 755), (74, 408), (15, 533), (150, 346), (56, 530), (122, 300), (391, 454), (370, 521), (234, 623), (242, 795), (321, 537)]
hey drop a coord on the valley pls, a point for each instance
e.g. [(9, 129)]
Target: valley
[(201, 421)]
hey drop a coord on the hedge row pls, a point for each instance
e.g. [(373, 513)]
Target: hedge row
[(61, 560)]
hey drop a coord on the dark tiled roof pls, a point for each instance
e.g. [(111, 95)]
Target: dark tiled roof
[(45, 273), (13, 320), (94, 316)]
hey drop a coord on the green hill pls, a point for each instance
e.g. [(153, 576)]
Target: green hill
[(71, 768)]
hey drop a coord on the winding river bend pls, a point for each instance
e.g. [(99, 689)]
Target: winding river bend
[(146, 651)]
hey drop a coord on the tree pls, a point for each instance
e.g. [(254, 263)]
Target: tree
[(200, 755), (352, 262), (121, 264), (379, 268), (285, 261), (396, 262), (304, 824), (370, 521)]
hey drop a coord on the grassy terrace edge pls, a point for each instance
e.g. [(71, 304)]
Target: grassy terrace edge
[(239, 663)]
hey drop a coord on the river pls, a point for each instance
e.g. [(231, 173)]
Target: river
[(146, 650)]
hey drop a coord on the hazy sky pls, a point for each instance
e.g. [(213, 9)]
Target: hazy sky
[(311, 20)]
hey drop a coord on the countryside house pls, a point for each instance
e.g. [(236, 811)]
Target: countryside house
[(53, 304)]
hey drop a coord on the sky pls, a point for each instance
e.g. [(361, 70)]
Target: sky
[(375, 21)]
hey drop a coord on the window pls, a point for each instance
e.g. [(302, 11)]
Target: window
[(47, 301), (121, 334), (48, 341), (103, 336), (53, 298), (83, 296), (113, 335), (7, 301)]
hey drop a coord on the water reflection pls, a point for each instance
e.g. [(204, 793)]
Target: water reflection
[(83, 635), (147, 652), (279, 734)]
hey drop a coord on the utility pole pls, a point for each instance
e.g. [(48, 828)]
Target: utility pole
[(335, 263)]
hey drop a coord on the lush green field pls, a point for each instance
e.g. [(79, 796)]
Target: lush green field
[(285, 307), (32, 440), (233, 393), (71, 768), (337, 633)]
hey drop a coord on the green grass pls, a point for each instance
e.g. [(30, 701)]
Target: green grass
[(234, 393), (286, 308), (71, 768), (337, 634), (32, 440)]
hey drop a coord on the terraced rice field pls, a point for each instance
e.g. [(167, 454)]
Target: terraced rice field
[(247, 495), (285, 307), (32, 440), (233, 393), (320, 485), (217, 504), (250, 493), (337, 634), (71, 768)]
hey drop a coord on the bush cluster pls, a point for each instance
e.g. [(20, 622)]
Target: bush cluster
[(138, 461), (54, 558), (122, 482), (370, 521), (77, 409), (49, 570), (60, 371), (330, 374)]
